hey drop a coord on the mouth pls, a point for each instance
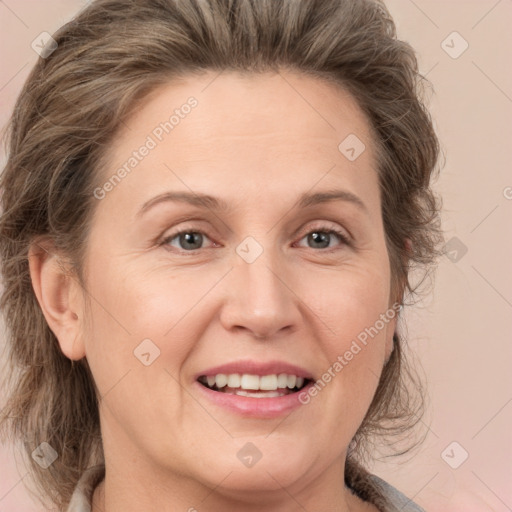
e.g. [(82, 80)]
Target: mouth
[(254, 386)]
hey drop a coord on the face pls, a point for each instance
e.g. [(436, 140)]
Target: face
[(269, 275)]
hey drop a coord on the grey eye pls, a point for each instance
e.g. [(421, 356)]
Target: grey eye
[(187, 240)]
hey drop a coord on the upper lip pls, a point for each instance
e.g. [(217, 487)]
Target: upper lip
[(257, 368)]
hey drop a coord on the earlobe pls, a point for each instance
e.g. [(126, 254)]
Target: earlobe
[(390, 345), (57, 290), (391, 333)]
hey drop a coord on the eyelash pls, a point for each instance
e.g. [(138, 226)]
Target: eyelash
[(319, 229)]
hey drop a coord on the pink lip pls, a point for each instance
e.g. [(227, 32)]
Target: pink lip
[(254, 407), (256, 368)]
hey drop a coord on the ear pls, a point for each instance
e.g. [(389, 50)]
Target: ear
[(59, 296), (397, 300), (390, 332)]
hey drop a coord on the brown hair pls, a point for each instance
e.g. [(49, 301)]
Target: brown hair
[(110, 56)]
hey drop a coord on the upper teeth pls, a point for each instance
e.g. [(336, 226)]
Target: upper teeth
[(255, 382)]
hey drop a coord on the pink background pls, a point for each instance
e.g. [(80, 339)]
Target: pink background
[(461, 332)]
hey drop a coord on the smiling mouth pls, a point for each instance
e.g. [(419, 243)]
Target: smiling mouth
[(256, 386)]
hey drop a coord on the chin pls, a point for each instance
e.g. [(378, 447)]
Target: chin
[(250, 483), (269, 473)]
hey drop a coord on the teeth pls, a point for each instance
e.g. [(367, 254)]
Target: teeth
[(268, 382), (282, 380), (234, 380), (250, 382), (257, 394), (221, 380)]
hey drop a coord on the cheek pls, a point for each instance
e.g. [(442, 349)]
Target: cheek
[(352, 306), (349, 300), (137, 341), (172, 307), (131, 306)]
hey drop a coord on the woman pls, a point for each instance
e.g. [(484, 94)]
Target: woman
[(210, 214)]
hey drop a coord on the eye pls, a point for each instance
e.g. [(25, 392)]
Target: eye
[(321, 237), (187, 240)]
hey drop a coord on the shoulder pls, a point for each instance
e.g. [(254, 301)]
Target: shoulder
[(396, 499)]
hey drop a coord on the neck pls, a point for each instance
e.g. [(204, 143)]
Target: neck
[(130, 493)]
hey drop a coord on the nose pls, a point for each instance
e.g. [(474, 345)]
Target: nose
[(261, 298)]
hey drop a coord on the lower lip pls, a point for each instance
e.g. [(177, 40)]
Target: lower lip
[(255, 407)]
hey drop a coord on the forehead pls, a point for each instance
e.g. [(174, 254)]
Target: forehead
[(245, 105), (245, 133)]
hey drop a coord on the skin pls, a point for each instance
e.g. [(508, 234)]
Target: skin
[(258, 143)]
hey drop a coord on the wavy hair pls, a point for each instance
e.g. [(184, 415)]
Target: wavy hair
[(108, 58)]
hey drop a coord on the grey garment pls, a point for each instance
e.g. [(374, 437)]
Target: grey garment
[(81, 501), (399, 501)]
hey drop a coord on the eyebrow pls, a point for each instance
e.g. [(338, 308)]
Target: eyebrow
[(219, 205)]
